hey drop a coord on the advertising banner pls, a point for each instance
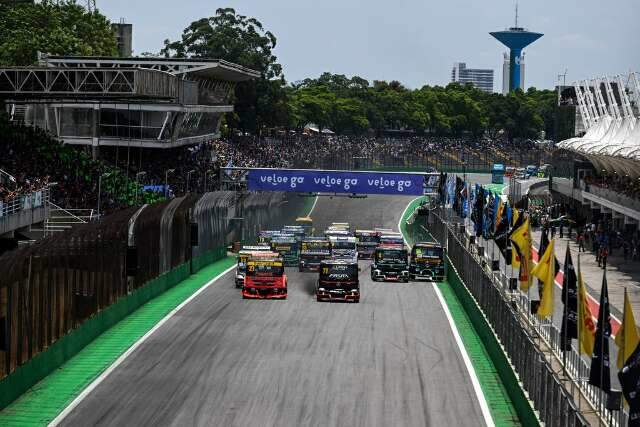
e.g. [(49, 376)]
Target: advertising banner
[(316, 181)]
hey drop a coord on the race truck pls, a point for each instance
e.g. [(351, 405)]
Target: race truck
[(333, 232), (287, 246), (312, 251), (265, 279), (306, 223), (243, 256), (393, 239), (296, 230), (367, 240), (265, 236), (427, 262), (342, 225), (338, 281), (344, 248), (390, 263)]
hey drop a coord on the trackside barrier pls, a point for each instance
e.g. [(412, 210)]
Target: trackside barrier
[(60, 293), (479, 290)]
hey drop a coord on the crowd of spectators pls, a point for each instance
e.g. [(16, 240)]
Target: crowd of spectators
[(620, 184), (36, 160)]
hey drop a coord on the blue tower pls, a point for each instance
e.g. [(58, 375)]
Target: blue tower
[(515, 38)]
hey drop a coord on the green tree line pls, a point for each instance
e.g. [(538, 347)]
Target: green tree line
[(346, 105)]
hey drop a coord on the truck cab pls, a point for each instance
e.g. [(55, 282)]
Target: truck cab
[(333, 232), (394, 239), (312, 251), (296, 230), (245, 253), (265, 279), (427, 262), (265, 236), (367, 241), (287, 246), (338, 281), (341, 225), (390, 263), (344, 247)]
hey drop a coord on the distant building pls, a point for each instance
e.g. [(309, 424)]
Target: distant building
[(482, 79), (505, 73), (124, 38)]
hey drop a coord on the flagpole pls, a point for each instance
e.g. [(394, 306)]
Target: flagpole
[(565, 293)]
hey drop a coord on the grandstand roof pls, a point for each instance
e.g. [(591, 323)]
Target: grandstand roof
[(204, 68)]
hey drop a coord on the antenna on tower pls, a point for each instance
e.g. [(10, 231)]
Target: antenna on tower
[(516, 13), (91, 6)]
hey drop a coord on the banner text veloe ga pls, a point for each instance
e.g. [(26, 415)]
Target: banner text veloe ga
[(316, 181)]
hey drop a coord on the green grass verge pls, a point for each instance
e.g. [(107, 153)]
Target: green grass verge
[(502, 410), (500, 405), (44, 401)]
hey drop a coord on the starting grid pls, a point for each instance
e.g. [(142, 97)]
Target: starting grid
[(330, 181)]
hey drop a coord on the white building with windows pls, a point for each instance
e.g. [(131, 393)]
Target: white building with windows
[(480, 78)]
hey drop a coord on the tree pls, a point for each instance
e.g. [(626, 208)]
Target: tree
[(58, 28), (242, 40)]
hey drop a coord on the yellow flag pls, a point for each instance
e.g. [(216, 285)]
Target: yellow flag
[(515, 259), (546, 272), (627, 338), (521, 237), (586, 325)]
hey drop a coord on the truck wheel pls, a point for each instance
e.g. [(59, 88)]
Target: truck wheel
[(412, 276)]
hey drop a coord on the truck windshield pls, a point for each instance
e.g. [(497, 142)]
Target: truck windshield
[(339, 272), (368, 239), (344, 245), (392, 256), (315, 247), (391, 241), (265, 269), (427, 252)]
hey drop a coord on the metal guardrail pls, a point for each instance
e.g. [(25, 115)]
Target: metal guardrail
[(36, 199), (509, 315)]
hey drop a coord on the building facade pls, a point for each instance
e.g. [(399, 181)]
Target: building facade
[(480, 78)]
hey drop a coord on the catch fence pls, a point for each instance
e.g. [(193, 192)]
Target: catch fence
[(51, 287), (520, 332)]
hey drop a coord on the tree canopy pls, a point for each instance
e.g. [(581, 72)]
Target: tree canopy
[(55, 27)]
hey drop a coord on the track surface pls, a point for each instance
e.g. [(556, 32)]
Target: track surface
[(221, 360)]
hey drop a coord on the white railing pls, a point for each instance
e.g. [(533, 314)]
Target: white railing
[(24, 202)]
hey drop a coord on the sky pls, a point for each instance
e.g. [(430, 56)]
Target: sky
[(413, 41)]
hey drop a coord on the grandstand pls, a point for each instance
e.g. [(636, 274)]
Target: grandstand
[(599, 172), (133, 102)]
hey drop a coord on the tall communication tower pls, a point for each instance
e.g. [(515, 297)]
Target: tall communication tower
[(515, 38)]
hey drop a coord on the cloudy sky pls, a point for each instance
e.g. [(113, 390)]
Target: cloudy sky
[(414, 41)]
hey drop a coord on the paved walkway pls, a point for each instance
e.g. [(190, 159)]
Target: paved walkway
[(620, 274)]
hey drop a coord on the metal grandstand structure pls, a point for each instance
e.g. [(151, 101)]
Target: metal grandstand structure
[(608, 107), (133, 102)]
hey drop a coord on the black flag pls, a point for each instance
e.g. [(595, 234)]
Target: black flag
[(600, 375), (478, 210), (570, 300), (629, 377)]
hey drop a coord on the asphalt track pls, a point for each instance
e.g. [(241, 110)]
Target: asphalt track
[(222, 361)]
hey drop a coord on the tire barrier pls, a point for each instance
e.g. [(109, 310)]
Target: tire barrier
[(52, 288)]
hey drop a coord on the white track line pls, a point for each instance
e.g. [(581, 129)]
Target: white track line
[(467, 361), (402, 216), (131, 349), (315, 202)]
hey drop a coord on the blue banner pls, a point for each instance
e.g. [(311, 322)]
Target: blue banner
[(316, 181)]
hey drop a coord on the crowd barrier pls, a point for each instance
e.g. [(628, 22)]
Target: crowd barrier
[(59, 285), (549, 393), (34, 200)]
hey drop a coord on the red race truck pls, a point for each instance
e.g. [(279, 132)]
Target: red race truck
[(265, 279)]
